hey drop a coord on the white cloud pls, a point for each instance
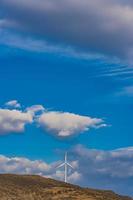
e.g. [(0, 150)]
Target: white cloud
[(65, 124), (112, 163), (74, 177), (112, 170), (62, 124), (13, 120), (94, 168), (13, 104), (35, 109), (22, 165)]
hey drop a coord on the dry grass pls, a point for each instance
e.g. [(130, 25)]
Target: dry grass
[(26, 187)]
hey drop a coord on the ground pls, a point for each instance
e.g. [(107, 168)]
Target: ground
[(29, 187)]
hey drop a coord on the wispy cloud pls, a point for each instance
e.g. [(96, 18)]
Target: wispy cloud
[(126, 91), (32, 44), (104, 27)]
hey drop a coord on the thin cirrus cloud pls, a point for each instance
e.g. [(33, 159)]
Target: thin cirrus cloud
[(126, 91), (98, 26), (61, 124), (42, 46)]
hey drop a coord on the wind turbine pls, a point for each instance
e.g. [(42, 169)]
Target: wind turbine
[(66, 165)]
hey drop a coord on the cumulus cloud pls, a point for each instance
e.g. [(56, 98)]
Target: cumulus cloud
[(105, 169), (13, 121), (22, 165), (13, 104), (111, 170), (98, 26), (65, 124), (62, 124), (74, 177)]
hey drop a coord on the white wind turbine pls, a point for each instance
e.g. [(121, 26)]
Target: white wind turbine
[(66, 165)]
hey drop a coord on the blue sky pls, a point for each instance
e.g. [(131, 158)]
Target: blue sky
[(81, 85)]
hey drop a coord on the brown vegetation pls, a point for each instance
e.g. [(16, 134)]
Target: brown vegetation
[(27, 187)]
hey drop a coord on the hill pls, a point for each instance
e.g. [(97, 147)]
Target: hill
[(30, 187)]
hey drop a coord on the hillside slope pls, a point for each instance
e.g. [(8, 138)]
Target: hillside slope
[(27, 187)]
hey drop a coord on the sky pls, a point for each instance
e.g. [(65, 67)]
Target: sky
[(66, 85)]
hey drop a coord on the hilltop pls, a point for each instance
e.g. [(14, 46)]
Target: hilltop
[(32, 187)]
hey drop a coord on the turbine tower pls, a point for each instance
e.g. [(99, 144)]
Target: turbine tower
[(66, 165)]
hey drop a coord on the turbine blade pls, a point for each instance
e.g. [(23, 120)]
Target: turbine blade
[(70, 165), (61, 165)]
